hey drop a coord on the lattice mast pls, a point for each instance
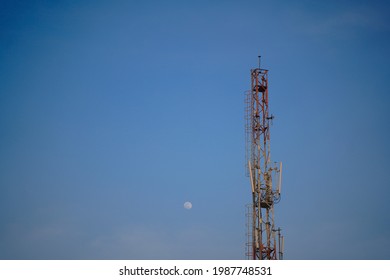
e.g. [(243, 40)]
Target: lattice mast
[(265, 176)]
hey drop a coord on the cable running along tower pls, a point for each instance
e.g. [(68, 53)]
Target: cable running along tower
[(264, 240)]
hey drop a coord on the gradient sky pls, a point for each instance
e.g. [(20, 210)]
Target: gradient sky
[(114, 113)]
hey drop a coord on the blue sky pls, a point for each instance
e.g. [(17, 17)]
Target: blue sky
[(114, 113)]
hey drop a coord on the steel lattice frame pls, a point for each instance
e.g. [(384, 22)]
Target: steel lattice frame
[(261, 170)]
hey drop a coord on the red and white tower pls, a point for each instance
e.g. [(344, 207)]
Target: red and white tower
[(265, 241)]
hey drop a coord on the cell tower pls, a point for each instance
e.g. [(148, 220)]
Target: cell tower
[(265, 241)]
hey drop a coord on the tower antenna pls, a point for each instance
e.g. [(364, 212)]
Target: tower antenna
[(265, 241)]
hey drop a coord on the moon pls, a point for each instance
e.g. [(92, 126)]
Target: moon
[(187, 205)]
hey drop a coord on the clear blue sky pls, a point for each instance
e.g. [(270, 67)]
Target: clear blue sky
[(114, 113)]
